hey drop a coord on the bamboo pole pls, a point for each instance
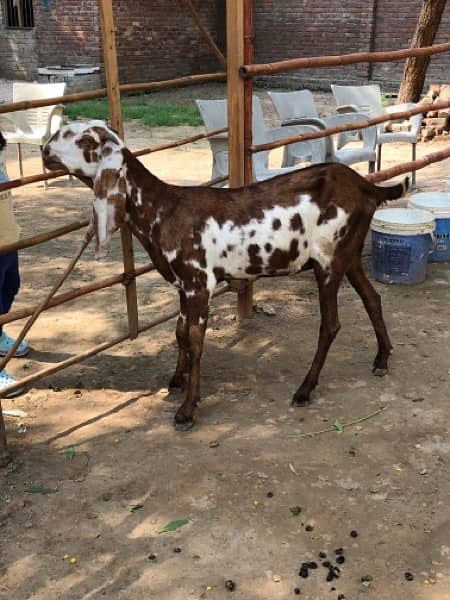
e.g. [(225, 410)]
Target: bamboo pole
[(73, 294), (209, 40), (15, 183), (236, 132), (92, 351), (315, 62), (40, 307), (413, 165), (43, 237), (115, 114), (102, 93), (397, 116), (181, 142)]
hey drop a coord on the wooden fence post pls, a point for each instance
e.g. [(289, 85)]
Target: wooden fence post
[(115, 112), (237, 115)]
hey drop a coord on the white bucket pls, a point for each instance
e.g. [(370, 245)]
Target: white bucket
[(437, 203), (403, 221), (401, 242)]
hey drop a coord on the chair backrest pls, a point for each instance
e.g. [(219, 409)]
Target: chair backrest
[(368, 134), (294, 105), (366, 98), (415, 120), (37, 118), (215, 116)]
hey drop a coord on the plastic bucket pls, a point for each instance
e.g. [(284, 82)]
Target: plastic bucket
[(437, 203), (401, 242)]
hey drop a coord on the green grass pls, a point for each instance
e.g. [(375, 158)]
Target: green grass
[(149, 114)]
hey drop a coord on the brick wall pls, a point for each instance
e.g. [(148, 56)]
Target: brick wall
[(17, 52), (157, 39), (162, 41)]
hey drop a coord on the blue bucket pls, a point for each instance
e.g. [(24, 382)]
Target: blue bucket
[(437, 203), (401, 242)]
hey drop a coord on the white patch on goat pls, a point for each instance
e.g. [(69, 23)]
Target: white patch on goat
[(274, 231), (170, 255)]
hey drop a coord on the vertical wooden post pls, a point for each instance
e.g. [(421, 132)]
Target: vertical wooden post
[(236, 121), (115, 114)]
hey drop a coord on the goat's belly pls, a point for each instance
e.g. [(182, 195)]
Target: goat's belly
[(252, 262)]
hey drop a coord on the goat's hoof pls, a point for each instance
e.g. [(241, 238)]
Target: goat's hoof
[(300, 399), (183, 423), (177, 383), (379, 371)]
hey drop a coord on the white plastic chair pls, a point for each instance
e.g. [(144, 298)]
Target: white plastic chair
[(215, 116), (35, 125), (367, 99), (299, 107)]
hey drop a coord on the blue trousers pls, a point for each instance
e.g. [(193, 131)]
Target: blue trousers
[(9, 281)]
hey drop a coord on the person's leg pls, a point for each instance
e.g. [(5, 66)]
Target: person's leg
[(9, 281), (9, 286)]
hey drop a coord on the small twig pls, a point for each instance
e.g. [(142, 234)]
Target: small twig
[(314, 433)]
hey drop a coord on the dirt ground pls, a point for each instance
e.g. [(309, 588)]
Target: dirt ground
[(261, 498)]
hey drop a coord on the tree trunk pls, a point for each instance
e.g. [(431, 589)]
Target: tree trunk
[(416, 67)]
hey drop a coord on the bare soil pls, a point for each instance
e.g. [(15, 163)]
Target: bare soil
[(239, 475)]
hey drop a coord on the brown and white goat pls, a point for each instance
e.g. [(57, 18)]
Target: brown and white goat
[(316, 218)]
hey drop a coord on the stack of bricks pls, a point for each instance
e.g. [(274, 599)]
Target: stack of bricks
[(436, 123)]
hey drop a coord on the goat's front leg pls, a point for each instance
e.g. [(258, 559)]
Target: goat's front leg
[(178, 380), (329, 327), (197, 313), (372, 303)]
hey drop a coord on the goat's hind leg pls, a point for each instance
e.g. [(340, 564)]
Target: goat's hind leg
[(178, 380), (372, 303), (329, 327)]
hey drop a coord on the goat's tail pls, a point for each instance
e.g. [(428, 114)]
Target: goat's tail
[(391, 192)]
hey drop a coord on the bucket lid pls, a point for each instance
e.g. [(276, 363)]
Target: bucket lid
[(437, 203), (403, 221)]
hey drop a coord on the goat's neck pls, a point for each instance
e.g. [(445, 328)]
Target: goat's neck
[(148, 200)]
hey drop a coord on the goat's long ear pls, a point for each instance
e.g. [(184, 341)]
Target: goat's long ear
[(109, 207)]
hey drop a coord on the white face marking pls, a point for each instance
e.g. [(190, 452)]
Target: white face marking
[(69, 153)]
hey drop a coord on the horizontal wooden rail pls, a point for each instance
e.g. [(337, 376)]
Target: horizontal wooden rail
[(397, 116), (43, 237), (181, 142), (95, 350), (407, 167), (101, 284), (293, 64), (102, 93), (21, 181)]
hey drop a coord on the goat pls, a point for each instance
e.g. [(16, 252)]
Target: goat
[(316, 217)]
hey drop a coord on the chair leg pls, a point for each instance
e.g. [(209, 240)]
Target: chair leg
[(43, 168), (413, 174), (19, 158), (379, 157), (371, 166)]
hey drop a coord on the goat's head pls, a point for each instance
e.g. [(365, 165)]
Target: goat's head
[(94, 153)]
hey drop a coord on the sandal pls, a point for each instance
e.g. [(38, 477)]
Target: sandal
[(5, 380), (7, 342)]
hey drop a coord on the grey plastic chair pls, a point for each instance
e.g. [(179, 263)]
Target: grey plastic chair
[(215, 116), (299, 107), (367, 99)]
